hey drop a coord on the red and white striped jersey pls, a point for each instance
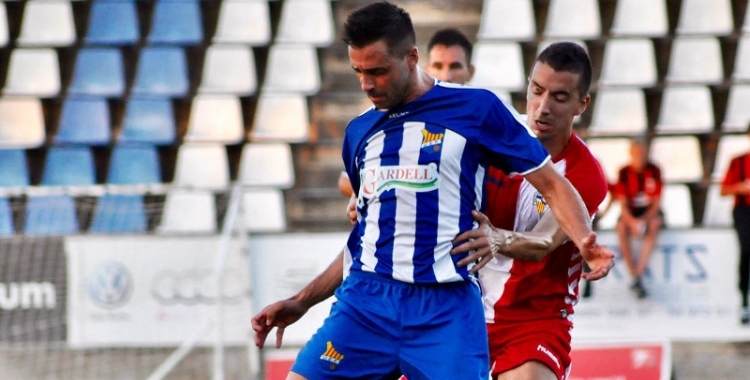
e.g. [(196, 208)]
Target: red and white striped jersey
[(515, 290)]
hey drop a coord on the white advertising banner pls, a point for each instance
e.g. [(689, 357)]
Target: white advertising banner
[(153, 291), (692, 292), (284, 264)]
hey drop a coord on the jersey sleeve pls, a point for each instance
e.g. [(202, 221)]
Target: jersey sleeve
[(509, 143), (732, 175)]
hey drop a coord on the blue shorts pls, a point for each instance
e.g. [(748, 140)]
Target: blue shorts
[(379, 328)]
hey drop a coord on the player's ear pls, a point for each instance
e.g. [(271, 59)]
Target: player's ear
[(584, 103), (471, 72)]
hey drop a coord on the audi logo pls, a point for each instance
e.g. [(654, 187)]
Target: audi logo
[(198, 286)]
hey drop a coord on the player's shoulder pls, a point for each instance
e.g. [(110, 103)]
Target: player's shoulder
[(465, 91)]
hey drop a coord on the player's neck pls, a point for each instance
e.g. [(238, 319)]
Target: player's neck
[(557, 144)]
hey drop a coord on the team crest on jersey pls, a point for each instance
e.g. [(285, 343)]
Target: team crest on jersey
[(540, 204), (433, 140), (416, 178), (331, 355)]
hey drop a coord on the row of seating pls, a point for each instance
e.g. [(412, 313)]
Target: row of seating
[(626, 62), (174, 22), (582, 19), (178, 211), (680, 157), (198, 165), (163, 71)]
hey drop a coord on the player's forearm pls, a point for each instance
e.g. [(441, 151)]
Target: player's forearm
[(532, 245), (324, 285), (570, 211)]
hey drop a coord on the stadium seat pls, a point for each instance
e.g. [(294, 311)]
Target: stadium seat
[(685, 109), (677, 206), (628, 62), (113, 23), (746, 22), (263, 210), (640, 18), (718, 209), (68, 166), (281, 117), (119, 213), (98, 71), (267, 165), (619, 111), (292, 68), (21, 123), (148, 120), (4, 38), (33, 72), (229, 69), (679, 158), (612, 153), (737, 116), (507, 20), (573, 19), (187, 211), (695, 60), (50, 215), (134, 164), (14, 167), (741, 71), (705, 17), (47, 23), (728, 147), (489, 56), (161, 71), (306, 22), (202, 166), (176, 22), (215, 118), (6, 217), (243, 22), (84, 120)]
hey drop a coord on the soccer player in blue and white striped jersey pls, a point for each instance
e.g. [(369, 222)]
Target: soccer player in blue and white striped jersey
[(417, 160)]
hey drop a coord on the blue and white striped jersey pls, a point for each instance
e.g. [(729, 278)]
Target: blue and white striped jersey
[(418, 172)]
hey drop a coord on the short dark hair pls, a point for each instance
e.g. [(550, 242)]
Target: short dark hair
[(570, 57), (380, 21), (451, 37)]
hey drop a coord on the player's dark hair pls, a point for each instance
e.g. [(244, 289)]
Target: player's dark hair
[(380, 21), (451, 37), (570, 57)]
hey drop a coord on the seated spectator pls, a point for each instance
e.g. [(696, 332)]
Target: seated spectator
[(638, 190)]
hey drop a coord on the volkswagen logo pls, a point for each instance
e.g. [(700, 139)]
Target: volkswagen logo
[(197, 286), (109, 286)]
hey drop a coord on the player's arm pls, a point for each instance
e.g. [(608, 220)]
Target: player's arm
[(572, 216), (487, 240), (283, 313)]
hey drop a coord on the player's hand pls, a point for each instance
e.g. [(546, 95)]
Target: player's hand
[(351, 209), (280, 315), (476, 242), (599, 258)]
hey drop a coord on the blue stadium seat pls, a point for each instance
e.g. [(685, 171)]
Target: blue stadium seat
[(161, 71), (176, 22), (14, 168), (98, 71), (133, 165), (50, 215), (6, 217), (119, 213), (84, 121), (113, 23), (148, 120), (68, 166)]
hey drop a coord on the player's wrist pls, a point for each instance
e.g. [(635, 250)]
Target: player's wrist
[(501, 240)]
